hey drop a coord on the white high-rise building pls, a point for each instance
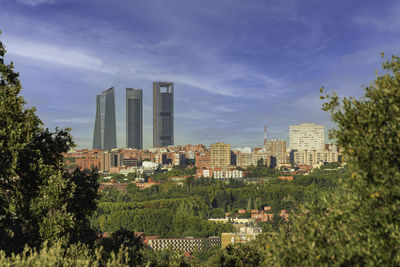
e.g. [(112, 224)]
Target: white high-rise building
[(307, 136)]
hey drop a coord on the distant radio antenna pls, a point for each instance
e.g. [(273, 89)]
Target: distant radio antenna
[(265, 134)]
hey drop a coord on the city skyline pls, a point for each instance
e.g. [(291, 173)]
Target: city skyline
[(238, 66), (163, 121)]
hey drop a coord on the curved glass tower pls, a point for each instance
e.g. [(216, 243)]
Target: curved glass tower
[(105, 133), (134, 118)]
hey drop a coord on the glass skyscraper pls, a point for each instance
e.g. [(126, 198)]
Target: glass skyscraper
[(105, 133), (163, 114), (134, 118)]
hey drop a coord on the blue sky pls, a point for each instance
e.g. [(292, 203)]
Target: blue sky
[(237, 65)]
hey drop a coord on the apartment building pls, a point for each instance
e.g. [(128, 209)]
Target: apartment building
[(313, 157), (307, 136), (220, 155), (244, 160), (202, 160), (276, 152)]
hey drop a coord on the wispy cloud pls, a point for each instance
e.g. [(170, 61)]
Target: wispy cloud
[(35, 2), (390, 22), (191, 115), (56, 54), (74, 120), (236, 65), (238, 81), (308, 38)]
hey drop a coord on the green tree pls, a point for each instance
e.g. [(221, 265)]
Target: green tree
[(123, 239), (360, 225), (260, 163), (357, 224), (38, 199), (248, 205)]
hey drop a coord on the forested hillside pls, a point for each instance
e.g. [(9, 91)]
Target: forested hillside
[(172, 210)]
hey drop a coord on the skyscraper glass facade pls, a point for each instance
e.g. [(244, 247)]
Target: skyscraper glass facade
[(163, 114), (105, 136), (134, 118)]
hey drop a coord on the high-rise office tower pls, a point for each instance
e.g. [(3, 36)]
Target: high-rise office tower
[(134, 118), (307, 136), (163, 114), (105, 133)]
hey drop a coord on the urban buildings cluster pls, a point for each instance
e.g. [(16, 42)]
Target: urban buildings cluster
[(307, 150), (105, 131)]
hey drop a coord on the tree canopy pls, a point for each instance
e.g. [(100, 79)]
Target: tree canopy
[(38, 200), (357, 224)]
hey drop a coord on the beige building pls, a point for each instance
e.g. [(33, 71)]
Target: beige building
[(276, 151), (257, 156), (235, 238), (220, 155), (313, 157), (110, 159), (307, 136), (177, 158), (244, 160)]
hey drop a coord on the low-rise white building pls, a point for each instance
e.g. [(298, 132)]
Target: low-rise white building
[(187, 244), (232, 220), (224, 174), (150, 165)]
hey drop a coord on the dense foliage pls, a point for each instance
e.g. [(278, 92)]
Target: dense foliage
[(39, 201), (41, 205), (359, 223), (195, 201), (167, 217)]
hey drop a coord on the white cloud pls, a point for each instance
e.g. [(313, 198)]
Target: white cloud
[(35, 2), (225, 82), (55, 54), (74, 120), (192, 115), (388, 23)]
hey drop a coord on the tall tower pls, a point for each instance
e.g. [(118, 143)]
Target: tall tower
[(105, 133), (134, 118), (163, 114)]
